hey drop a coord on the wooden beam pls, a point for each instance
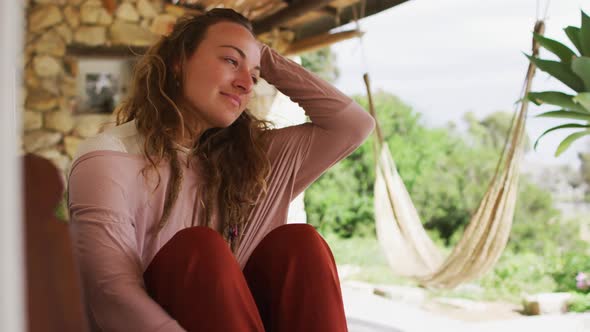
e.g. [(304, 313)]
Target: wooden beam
[(292, 11), (328, 10), (346, 15), (320, 41)]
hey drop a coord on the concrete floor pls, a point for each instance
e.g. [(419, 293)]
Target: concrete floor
[(367, 312)]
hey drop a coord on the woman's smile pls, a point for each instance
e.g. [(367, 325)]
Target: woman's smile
[(234, 99)]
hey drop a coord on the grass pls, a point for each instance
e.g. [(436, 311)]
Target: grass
[(364, 252), (513, 276)]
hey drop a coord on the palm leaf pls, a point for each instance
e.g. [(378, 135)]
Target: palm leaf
[(563, 52), (583, 99), (585, 35), (581, 67), (559, 70), (565, 144), (555, 98), (573, 33), (565, 126), (563, 114)]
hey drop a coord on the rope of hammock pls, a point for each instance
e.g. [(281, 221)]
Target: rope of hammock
[(409, 250)]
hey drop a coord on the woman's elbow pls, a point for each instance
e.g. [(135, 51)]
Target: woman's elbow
[(369, 124), (363, 126)]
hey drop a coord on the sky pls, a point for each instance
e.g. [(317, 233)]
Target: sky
[(445, 58)]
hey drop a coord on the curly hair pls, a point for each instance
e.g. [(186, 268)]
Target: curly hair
[(155, 102)]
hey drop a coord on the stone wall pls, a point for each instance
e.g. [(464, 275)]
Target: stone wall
[(51, 129)]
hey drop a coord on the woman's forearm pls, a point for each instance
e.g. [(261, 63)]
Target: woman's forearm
[(327, 107)]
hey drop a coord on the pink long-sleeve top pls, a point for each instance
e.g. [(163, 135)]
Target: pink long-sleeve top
[(114, 210)]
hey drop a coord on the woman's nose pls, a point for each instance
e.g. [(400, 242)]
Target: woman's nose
[(244, 81)]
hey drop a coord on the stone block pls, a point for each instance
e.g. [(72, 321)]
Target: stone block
[(91, 14), (91, 35), (72, 16), (546, 303), (127, 12), (47, 66), (71, 145), (69, 87), (32, 120), (90, 125), (51, 2), (59, 121), (31, 80), (93, 3), (177, 11), (163, 24), (131, 34), (146, 9), (44, 16), (50, 43), (41, 100), (64, 31), (40, 139), (51, 85)]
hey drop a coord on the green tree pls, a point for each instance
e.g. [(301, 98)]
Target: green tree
[(585, 166), (492, 130), (322, 62), (585, 172)]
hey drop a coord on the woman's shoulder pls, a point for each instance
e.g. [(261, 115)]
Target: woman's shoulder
[(123, 139), (115, 151)]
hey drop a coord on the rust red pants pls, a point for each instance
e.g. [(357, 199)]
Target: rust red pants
[(290, 283)]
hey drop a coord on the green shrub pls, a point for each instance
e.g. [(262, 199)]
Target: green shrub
[(61, 210), (566, 267), (579, 303), (517, 274)]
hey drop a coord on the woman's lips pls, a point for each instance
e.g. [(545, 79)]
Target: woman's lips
[(234, 98)]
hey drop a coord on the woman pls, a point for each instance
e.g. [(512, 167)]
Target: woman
[(179, 212)]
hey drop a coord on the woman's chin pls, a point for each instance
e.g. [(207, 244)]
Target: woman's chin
[(226, 121)]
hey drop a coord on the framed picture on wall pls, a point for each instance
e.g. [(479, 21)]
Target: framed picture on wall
[(102, 84)]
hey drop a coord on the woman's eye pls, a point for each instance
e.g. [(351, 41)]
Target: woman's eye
[(231, 61)]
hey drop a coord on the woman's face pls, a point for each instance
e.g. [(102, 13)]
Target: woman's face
[(220, 75)]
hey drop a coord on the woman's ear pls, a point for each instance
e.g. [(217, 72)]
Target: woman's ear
[(177, 65), (176, 69), (176, 72)]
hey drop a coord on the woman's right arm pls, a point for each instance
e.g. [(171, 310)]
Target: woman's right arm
[(106, 248)]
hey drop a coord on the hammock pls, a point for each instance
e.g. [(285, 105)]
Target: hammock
[(409, 250)]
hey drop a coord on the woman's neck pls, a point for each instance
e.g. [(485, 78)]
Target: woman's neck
[(194, 126)]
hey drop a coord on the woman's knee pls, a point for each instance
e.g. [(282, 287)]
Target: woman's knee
[(196, 245), (202, 238), (299, 240), (295, 233)]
